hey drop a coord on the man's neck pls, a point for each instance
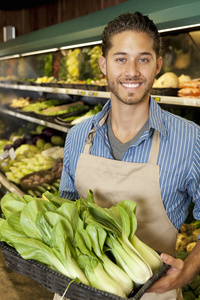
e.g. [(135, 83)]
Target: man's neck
[(127, 120)]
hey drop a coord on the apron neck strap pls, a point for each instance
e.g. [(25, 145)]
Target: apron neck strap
[(154, 147), (153, 157), (91, 134), (88, 142)]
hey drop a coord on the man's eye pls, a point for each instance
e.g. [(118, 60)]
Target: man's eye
[(143, 60), (121, 59)]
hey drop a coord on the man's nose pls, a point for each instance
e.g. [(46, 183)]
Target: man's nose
[(132, 69)]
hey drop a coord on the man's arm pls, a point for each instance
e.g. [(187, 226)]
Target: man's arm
[(180, 273)]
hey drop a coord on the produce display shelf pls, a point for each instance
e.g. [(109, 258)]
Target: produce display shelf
[(101, 94), (35, 120), (46, 89), (177, 100), (10, 187)]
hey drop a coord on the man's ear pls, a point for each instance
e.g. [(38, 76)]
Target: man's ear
[(102, 64), (158, 65)]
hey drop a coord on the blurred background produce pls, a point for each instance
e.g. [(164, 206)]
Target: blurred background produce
[(76, 65), (186, 240), (36, 148)]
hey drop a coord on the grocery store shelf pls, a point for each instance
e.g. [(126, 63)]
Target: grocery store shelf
[(177, 100), (10, 187), (56, 90), (34, 120), (89, 93)]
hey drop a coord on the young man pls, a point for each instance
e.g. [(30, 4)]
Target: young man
[(135, 150)]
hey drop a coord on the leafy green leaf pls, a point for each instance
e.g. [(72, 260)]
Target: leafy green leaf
[(14, 221), (11, 203), (29, 216)]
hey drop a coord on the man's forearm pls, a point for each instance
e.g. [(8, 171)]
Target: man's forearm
[(192, 263)]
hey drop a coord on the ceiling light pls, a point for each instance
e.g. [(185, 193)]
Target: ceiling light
[(179, 28), (10, 57), (80, 45), (39, 52)]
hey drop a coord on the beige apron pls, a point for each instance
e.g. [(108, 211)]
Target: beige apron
[(112, 181)]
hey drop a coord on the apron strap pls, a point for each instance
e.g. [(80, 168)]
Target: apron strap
[(91, 135), (88, 142), (153, 157)]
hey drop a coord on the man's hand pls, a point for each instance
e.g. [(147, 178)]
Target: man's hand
[(180, 273), (171, 280)]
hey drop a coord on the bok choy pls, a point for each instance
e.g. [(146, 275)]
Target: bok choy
[(93, 245)]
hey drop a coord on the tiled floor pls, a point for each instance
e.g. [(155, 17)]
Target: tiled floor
[(14, 286)]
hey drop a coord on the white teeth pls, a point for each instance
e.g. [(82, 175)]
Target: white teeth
[(131, 85)]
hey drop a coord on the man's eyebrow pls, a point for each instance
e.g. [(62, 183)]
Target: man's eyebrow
[(125, 53), (120, 53), (146, 53)]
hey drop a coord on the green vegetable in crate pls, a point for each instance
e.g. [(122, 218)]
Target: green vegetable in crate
[(76, 237), (98, 236), (97, 275), (27, 230), (94, 268), (121, 220)]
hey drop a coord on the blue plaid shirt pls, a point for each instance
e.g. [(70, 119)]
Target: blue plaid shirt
[(179, 158)]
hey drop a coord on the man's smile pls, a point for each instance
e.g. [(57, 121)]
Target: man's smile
[(130, 85)]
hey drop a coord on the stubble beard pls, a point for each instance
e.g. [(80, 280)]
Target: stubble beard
[(131, 98)]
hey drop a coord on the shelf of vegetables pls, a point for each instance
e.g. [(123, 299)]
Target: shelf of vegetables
[(39, 143), (30, 149), (100, 91), (34, 120)]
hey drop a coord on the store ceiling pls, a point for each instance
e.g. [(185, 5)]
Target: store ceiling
[(16, 5), (88, 28)]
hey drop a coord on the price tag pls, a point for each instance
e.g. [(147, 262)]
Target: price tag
[(80, 92), (157, 99), (92, 93), (190, 101)]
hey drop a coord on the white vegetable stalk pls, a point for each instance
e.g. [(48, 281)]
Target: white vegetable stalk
[(148, 254), (129, 261), (101, 280), (118, 275)]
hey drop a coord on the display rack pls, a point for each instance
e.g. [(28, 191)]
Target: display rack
[(98, 94), (34, 120), (10, 187)]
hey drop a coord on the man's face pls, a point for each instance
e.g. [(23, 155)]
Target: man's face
[(130, 67)]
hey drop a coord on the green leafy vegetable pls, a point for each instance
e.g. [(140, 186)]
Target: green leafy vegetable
[(98, 237), (90, 244)]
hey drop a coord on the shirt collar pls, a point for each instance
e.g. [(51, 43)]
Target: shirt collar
[(155, 117), (100, 118)]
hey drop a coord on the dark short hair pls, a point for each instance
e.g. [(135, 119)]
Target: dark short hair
[(127, 21)]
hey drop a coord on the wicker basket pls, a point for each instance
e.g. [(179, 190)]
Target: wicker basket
[(57, 283)]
